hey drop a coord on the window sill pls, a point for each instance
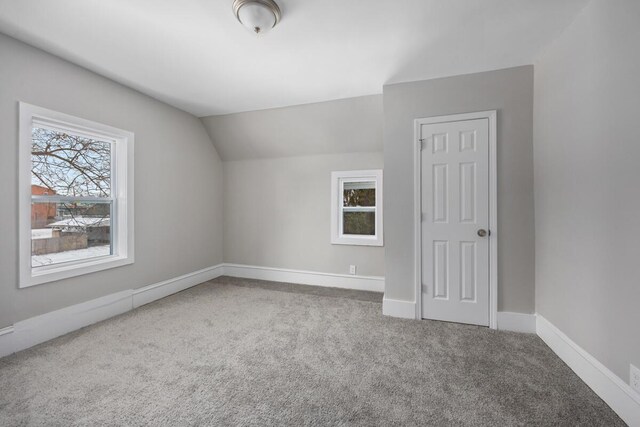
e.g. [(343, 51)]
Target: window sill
[(357, 241), (40, 276)]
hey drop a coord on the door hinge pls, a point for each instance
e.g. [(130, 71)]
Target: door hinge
[(425, 289), (422, 143)]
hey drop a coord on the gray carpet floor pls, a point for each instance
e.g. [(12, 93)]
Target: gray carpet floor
[(245, 352)]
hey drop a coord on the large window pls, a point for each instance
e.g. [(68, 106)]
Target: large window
[(76, 196), (356, 208)]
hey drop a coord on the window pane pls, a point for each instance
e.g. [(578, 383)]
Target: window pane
[(70, 165), (359, 193), (362, 223), (64, 232)]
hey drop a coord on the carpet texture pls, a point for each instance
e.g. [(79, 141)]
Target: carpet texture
[(245, 352)]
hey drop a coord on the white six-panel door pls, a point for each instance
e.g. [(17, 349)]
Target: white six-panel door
[(455, 218)]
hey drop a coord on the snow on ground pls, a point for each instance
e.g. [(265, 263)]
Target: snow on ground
[(81, 222), (75, 255)]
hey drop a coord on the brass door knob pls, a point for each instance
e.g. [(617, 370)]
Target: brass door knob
[(482, 232)]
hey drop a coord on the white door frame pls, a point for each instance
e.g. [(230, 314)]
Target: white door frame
[(493, 206)]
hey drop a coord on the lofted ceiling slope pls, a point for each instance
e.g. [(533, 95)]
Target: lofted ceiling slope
[(350, 125), (194, 55)]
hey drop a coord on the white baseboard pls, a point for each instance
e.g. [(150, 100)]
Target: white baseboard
[(613, 390), (36, 330), (6, 341), (398, 308), (159, 290), (24, 334), (507, 321), (517, 322), (332, 280)]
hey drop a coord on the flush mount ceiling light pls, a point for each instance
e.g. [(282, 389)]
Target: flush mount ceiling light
[(258, 15)]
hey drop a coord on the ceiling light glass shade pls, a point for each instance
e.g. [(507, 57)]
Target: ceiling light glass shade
[(258, 15)]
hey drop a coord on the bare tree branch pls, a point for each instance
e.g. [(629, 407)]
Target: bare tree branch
[(69, 164)]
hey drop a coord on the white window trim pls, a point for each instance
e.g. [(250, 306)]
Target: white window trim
[(122, 178), (337, 184)]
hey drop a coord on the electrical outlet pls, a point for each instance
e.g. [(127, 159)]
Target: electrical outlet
[(634, 378), (352, 269)]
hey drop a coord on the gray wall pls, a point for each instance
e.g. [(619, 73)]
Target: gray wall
[(587, 180), (178, 180), (277, 208), (509, 91), (349, 125), (277, 214)]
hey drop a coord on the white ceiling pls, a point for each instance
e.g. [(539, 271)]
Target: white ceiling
[(194, 54)]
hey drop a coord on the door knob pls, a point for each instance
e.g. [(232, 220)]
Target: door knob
[(482, 232)]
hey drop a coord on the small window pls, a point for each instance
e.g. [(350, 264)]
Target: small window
[(356, 208), (76, 196)]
